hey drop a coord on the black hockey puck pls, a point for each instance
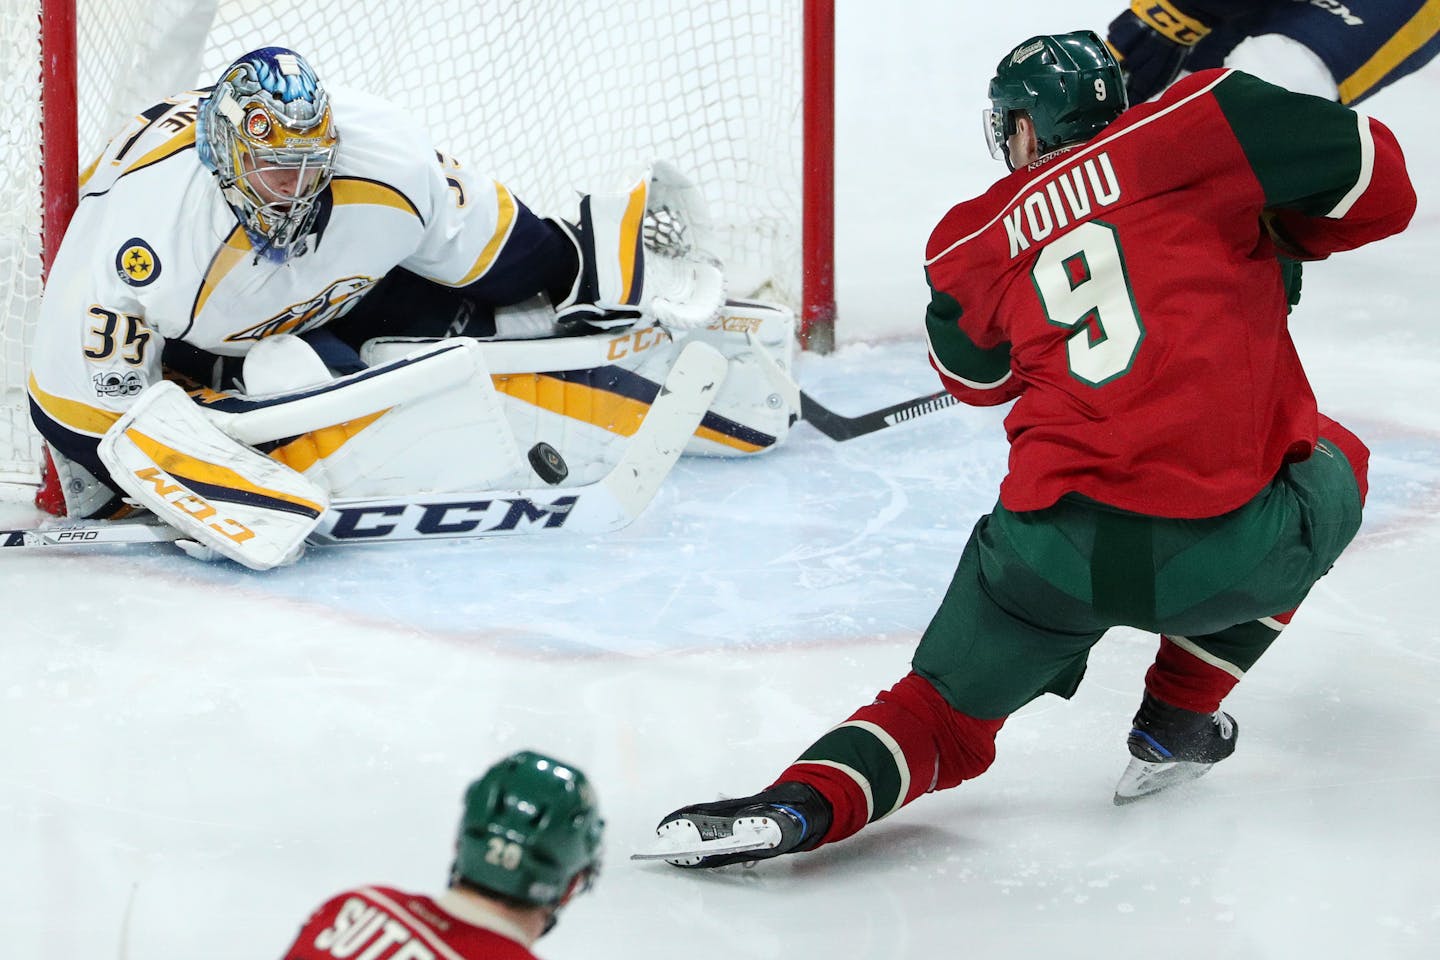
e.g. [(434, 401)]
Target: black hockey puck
[(548, 463)]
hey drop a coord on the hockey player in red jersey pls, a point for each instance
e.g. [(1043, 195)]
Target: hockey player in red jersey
[(1169, 470), (529, 843)]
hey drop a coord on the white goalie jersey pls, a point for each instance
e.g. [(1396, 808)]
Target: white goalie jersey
[(154, 253)]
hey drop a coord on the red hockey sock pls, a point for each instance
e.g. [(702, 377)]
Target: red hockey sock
[(1182, 679), (907, 743)]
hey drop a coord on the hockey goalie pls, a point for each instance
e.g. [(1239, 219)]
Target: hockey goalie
[(269, 327)]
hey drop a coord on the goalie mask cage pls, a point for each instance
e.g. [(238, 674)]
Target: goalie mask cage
[(547, 96)]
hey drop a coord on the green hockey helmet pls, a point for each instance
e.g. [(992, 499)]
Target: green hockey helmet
[(530, 830), (1067, 83)]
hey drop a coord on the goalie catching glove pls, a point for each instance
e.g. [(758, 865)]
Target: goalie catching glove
[(643, 255)]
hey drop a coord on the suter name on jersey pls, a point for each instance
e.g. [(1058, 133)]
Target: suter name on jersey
[(360, 925)]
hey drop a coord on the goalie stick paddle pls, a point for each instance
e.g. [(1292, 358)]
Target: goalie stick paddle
[(608, 504), (838, 427)]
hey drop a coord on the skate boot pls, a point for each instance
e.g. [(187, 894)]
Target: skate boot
[(788, 817), (1169, 745)]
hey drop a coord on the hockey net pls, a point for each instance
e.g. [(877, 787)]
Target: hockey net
[(548, 96)]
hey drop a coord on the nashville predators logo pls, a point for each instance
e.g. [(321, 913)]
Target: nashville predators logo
[(334, 301), (136, 263)]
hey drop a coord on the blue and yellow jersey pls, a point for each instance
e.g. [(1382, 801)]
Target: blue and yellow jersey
[(1366, 46)]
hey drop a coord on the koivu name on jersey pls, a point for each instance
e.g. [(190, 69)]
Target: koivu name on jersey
[(443, 518), (1066, 198)]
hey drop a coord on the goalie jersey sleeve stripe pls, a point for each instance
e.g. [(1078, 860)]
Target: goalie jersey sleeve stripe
[(504, 224), (348, 190), (184, 140), (72, 415), (227, 256), (1418, 33)]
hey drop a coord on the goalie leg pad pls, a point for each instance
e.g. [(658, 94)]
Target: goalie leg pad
[(760, 396), (422, 370), (167, 454), (457, 439)]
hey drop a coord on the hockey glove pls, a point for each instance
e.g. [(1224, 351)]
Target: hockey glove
[(640, 255), (1151, 40), (1288, 253), (1290, 272)]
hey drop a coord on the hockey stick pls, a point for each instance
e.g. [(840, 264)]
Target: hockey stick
[(124, 953), (838, 427), (608, 504)]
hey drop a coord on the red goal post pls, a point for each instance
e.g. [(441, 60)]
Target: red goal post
[(549, 96)]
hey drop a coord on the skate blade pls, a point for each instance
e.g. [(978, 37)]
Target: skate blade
[(679, 841), (1143, 778)]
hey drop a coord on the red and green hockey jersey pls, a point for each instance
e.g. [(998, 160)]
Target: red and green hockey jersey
[(381, 923), (1128, 294)]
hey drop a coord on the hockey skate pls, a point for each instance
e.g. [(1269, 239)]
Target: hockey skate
[(1169, 746), (786, 818)]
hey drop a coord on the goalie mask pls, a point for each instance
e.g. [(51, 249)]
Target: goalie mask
[(530, 831), (267, 133), (1068, 84)]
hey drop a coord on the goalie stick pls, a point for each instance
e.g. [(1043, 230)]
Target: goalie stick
[(608, 504), (838, 427)]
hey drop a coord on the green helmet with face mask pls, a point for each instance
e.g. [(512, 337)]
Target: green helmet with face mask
[(1069, 85)]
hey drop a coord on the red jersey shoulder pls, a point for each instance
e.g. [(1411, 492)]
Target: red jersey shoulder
[(951, 228), (1187, 85), (967, 220)]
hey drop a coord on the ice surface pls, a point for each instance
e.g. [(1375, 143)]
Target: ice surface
[(222, 750)]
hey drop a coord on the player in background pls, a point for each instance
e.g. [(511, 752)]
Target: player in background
[(529, 843), (1168, 467), (227, 233), (1341, 51)]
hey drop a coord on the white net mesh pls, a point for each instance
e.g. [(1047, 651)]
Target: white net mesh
[(19, 228), (548, 96)]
